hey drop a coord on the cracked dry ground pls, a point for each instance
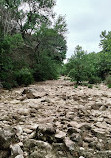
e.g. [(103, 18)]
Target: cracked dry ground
[(52, 119)]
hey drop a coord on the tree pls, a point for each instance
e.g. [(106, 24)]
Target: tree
[(49, 41), (36, 40), (27, 20), (76, 65), (105, 54)]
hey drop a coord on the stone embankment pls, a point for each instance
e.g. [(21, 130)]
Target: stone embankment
[(53, 119)]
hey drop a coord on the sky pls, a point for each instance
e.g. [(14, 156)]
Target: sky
[(85, 19)]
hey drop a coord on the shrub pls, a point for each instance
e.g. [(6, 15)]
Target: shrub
[(75, 86), (47, 69), (8, 79), (94, 80), (109, 85), (108, 81), (90, 86), (84, 84), (24, 77)]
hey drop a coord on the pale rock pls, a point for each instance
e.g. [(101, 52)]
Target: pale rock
[(33, 126), (75, 124), (99, 132), (100, 119), (14, 102), (16, 150), (7, 136), (28, 131), (97, 105), (69, 143), (81, 148), (24, 111), (25, 154), (19, 130), (20, 144), (32, 135), (60, 135), (19, 156)]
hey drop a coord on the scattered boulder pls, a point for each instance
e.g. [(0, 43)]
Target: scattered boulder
[(29, 94), (47, 120), (16, 150), (69, 144), (7, 137), (37, 148), (46, 133), (59, 136)]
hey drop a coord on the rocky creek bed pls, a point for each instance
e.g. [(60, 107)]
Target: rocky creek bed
[(52, 119)]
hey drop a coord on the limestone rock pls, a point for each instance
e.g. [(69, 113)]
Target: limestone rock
[(19, 156), (37, 148), (59, 136), (70, 144), (7, 137), (45, 133), (23, 111), (97, 105), (16, 150)]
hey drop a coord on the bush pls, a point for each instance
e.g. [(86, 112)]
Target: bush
[(94, 80), (108, 81), (90, 86), (8, 79), (75, 86), (24, 77), (84, 84), (109, 85), (47, 69)]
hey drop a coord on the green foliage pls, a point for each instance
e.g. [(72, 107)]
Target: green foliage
[(94, 80), (32, 43), (8, 43), (63, 70), (85, 84), (46, 69), (92, 67), (75, 86), (24, 77), (14, 41), (76, 65), (108, 81), (90, 86), (109, 85), (50, 41), (105, 62), (8, 79), (105, 42)]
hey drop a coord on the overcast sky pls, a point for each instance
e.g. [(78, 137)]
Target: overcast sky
[(86, 19)]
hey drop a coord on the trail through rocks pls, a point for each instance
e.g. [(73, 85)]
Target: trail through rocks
[(52, 119)]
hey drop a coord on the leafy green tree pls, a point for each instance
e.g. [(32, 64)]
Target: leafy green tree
[(33, 42), (93, 67), (76, 65), (84, 67), (50, 42), (105, 54), (7, 44)]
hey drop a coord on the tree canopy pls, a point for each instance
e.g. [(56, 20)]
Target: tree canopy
[(92, 67), (33, 41)]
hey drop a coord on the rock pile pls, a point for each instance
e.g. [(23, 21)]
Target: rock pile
[(52, 119)]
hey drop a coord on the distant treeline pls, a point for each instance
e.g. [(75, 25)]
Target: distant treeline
[(92, 67)]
